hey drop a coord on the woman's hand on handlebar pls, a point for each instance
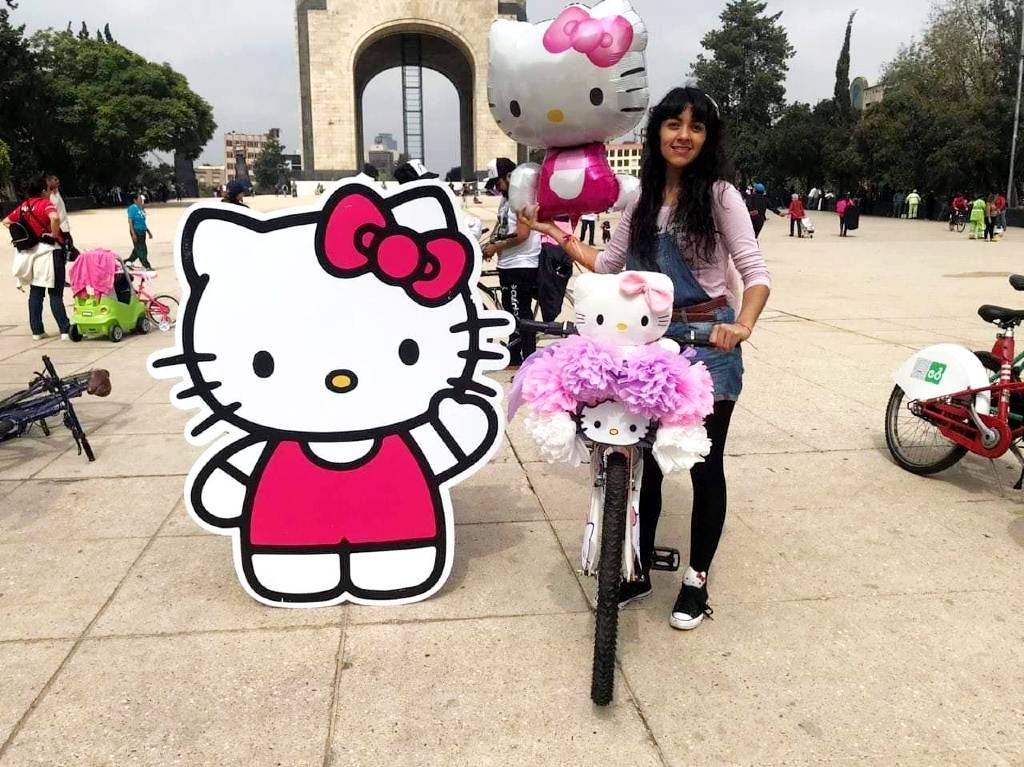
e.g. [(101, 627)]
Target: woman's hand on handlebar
[(727, 336)]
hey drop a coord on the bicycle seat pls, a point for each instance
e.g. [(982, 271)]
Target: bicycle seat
[(1017, 281), (1000, 315)]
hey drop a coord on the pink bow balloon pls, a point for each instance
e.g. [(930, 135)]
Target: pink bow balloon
[(635, 284), (361, 235), (604, 41)]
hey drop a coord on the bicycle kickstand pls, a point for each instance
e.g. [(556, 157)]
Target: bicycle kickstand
[(1015, 449)]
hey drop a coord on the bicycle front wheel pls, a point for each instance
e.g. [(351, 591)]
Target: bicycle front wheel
[(609, 573), (915, 444)]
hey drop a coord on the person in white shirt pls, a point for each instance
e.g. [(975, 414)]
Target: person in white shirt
[(53, 191), (518, 250), (588, 228)]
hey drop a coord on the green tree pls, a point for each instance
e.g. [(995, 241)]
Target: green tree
[(746, 75), (83, 33), (112, 106), (99, 36), (106, 33), (269, 168), (842, 90), (6, 169), (795, 149)]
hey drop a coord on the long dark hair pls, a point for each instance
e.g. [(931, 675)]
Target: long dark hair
[(692, 218)]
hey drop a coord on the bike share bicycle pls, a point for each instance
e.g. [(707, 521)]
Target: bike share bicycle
[(602, 397), (949, 401)]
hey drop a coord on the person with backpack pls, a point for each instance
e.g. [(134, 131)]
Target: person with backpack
[(841, 208), (39, 259)]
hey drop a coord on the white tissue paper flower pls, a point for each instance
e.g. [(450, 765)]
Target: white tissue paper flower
[(555, 435), (680, 447)]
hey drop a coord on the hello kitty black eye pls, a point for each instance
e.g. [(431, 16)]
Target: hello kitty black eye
[(597, 97), (409, 352), (597, 424), (600, 319), (632, 427), (645, 320), (263, 364), (515, 109)]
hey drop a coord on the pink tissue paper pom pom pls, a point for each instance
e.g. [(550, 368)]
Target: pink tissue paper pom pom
[(542, 386), (588, 369), (664, 386)]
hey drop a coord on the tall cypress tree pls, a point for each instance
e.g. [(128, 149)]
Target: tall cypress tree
[(106, 33), (83, 33), (842, 93)]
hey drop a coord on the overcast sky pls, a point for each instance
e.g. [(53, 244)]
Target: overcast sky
[(240, 55)]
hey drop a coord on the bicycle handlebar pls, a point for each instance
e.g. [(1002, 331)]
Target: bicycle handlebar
[(566, 329)]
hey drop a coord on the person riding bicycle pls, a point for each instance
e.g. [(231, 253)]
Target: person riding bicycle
[(40, 260), (234, 193), (688, 222)]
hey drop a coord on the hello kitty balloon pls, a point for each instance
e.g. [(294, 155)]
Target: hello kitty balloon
[(336, 355), (570, 85)]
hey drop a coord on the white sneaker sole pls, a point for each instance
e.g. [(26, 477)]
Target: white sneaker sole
[(677, 621)]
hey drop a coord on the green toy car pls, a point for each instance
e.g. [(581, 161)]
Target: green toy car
[(110, 316)]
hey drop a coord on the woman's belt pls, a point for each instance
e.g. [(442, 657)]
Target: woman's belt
[(704, 312)]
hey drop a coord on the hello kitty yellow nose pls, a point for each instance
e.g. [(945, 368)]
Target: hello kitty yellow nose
[(622, 327), (556, 116), (614, 432), (341, 381)]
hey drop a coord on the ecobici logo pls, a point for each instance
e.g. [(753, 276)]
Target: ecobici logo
[(928, 371)]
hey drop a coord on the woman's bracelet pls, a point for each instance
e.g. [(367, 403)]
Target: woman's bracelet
[(750, 330)]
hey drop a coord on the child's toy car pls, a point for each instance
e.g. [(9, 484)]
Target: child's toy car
[(110, 315)]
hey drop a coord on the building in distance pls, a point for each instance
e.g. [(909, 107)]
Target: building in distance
[(248, 145), (625, 158)]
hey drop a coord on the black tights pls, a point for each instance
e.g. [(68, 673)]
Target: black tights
[(709, 496)]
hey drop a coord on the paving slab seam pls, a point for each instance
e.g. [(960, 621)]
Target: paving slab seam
[(332, 709), (586, 610), (638, 708), (551, 526), (35, 475), (37, 640), (78, 642), (297, 627)]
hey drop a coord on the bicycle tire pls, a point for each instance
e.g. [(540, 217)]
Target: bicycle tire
[(172, 305), (898, 450), (609, 574), (961, 226)]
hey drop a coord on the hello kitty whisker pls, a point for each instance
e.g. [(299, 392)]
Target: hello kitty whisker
[(205, 387), (480, 354), (181, 359), (471, 386), (210, 420), (478, 324)]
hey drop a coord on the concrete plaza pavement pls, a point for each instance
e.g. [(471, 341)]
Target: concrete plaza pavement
[(862, 615)]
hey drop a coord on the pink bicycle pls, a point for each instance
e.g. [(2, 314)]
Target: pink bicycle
[(161, 309)]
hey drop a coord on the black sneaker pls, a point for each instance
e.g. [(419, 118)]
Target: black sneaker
[(630, 591), (690, 608)]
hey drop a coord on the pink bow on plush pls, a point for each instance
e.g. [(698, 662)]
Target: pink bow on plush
[(604, 41), (361, 236), (633, 284)]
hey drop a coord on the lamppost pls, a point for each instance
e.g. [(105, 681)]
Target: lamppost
[(1010, 188)]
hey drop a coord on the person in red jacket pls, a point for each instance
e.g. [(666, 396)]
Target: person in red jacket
[(796, 216)]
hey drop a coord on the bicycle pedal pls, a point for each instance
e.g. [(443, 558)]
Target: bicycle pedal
[(665, 559)]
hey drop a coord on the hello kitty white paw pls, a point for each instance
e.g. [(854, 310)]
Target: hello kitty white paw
[(555, 435), (679, 448), (469, 420), (522, 186), (629, 190)]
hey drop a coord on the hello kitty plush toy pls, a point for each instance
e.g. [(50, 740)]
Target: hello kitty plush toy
[(337, 357), (618, 377), (570, 85)]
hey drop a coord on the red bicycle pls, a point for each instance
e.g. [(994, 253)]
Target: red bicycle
[(949, 401)]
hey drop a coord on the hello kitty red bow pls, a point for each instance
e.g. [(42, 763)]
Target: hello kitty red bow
[(604, 41), (635, 284), (361, 235)]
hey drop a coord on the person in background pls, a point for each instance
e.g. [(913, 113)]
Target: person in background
[(555, 271), (841, 206), (588, 227), (978, 218), (913, 201), (991, 215), (139, 231), (959, 205), (813, 197), (1001, 208), (42, 266), (796, 216), (518, 250), (757, 205), (897, 205), (606, 232), (53, 188), (234, 193)]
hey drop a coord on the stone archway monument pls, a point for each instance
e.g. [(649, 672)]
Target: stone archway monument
[(343, 44)]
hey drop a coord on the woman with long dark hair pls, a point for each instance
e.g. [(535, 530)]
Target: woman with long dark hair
[(688, 222)]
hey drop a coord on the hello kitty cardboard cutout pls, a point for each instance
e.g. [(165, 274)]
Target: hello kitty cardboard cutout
[(570, 84), (337, 359)]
